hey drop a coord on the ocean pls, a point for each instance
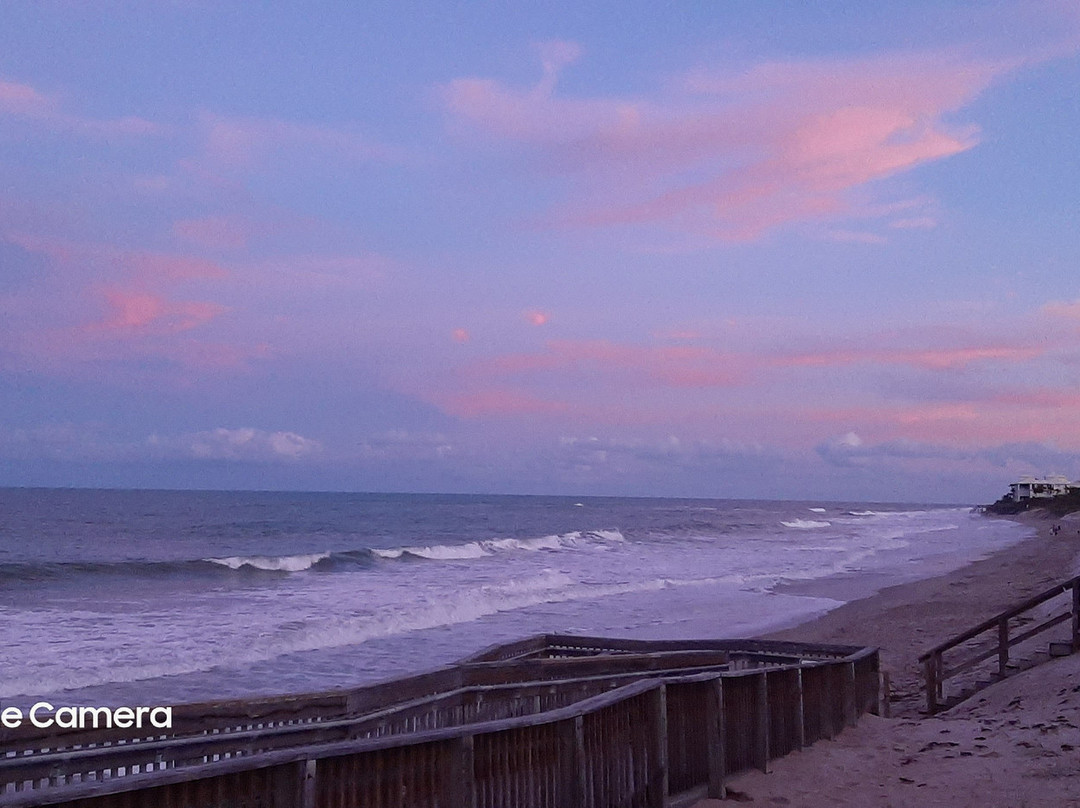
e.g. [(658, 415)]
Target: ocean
[(161, 597)]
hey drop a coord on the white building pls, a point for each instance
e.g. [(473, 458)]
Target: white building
[(1041, 487)]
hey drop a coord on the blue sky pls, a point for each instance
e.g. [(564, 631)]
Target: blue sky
[(736, 249)]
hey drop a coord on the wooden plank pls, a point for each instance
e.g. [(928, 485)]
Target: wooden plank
[(1076, 615), (930, 677), (714, 707), (849, 695), (658, 762), (762, 728), (308, 772), (800, 731)]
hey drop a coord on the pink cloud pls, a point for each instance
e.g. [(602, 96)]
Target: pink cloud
[(27, 103), (674, 366), (536, 317), (460, 335), (930, 358), (736, 155), (143, 265), (1069, 310), (133, 313)]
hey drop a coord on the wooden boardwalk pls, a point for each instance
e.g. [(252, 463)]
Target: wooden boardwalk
[(548, 722)]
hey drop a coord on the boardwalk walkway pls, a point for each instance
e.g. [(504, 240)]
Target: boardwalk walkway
[(549, 721)]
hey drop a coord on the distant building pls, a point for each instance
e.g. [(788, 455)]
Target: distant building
[(1041, 487)]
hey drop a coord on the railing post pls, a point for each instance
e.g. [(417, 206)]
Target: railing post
[(850, 696), (573, 764), (1076, 615), (800, 735), (885, 695), (463, 771), (308, 770), (1003, 645), (658, 769), (717, 740), (930, 675), (763, 722)]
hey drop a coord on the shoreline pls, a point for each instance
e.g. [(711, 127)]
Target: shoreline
[(1016, 743), (908, 619)]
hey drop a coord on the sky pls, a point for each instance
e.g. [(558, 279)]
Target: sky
[(717, 249)]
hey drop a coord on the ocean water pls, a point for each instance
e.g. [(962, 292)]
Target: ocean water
[(144, 597)]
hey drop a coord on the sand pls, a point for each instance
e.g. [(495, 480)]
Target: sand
[(1015, 744)]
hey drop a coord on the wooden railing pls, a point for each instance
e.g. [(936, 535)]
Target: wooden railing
[(587, 733), (1004, 636)]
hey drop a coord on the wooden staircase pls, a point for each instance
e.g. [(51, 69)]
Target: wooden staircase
[(981, 656)]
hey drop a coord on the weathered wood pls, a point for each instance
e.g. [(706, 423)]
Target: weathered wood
[(1076, 614), (714, 707), (658, 761), (801, 730), (308, 773), (461, 772), (617, 754), (850, 695), (762, 732), (986, 625)]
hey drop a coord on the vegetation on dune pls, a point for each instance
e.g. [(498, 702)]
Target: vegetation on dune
[(1057, 506)]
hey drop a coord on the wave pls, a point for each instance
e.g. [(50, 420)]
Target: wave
[(293, 563), (326, 561), (487, 547), (817, 510), (805, 524)]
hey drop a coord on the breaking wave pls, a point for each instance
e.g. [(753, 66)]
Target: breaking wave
[(805, 524), (326, 561)]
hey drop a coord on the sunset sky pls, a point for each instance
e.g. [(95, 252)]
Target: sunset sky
[(730, 249)]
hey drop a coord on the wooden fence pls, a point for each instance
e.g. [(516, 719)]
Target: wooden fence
[(537, 725), (974, 648)]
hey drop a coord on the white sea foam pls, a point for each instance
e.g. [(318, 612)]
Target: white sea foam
[(479, 549), (818, 510), (292, 563), (222, 639)]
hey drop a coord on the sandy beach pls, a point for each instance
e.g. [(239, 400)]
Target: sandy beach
[(1014, 744)]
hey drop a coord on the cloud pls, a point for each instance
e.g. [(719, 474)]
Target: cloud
[(535, 317), (401, 444), (232, 143), (107, 260), (496, 402), (670, 365), (734, 155), (1068, 310), (1001, 462), (23, 102), (242, 444), (133, 312), (943, 358)]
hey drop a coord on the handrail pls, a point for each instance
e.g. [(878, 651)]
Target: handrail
[(934, 669), (228, 742), (265, 712), (857, 693), (463, 712)]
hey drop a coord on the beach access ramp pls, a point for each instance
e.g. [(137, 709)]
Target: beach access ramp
[(551, 721)]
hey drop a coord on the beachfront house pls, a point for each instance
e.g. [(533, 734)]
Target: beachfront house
[(1041, 487)]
